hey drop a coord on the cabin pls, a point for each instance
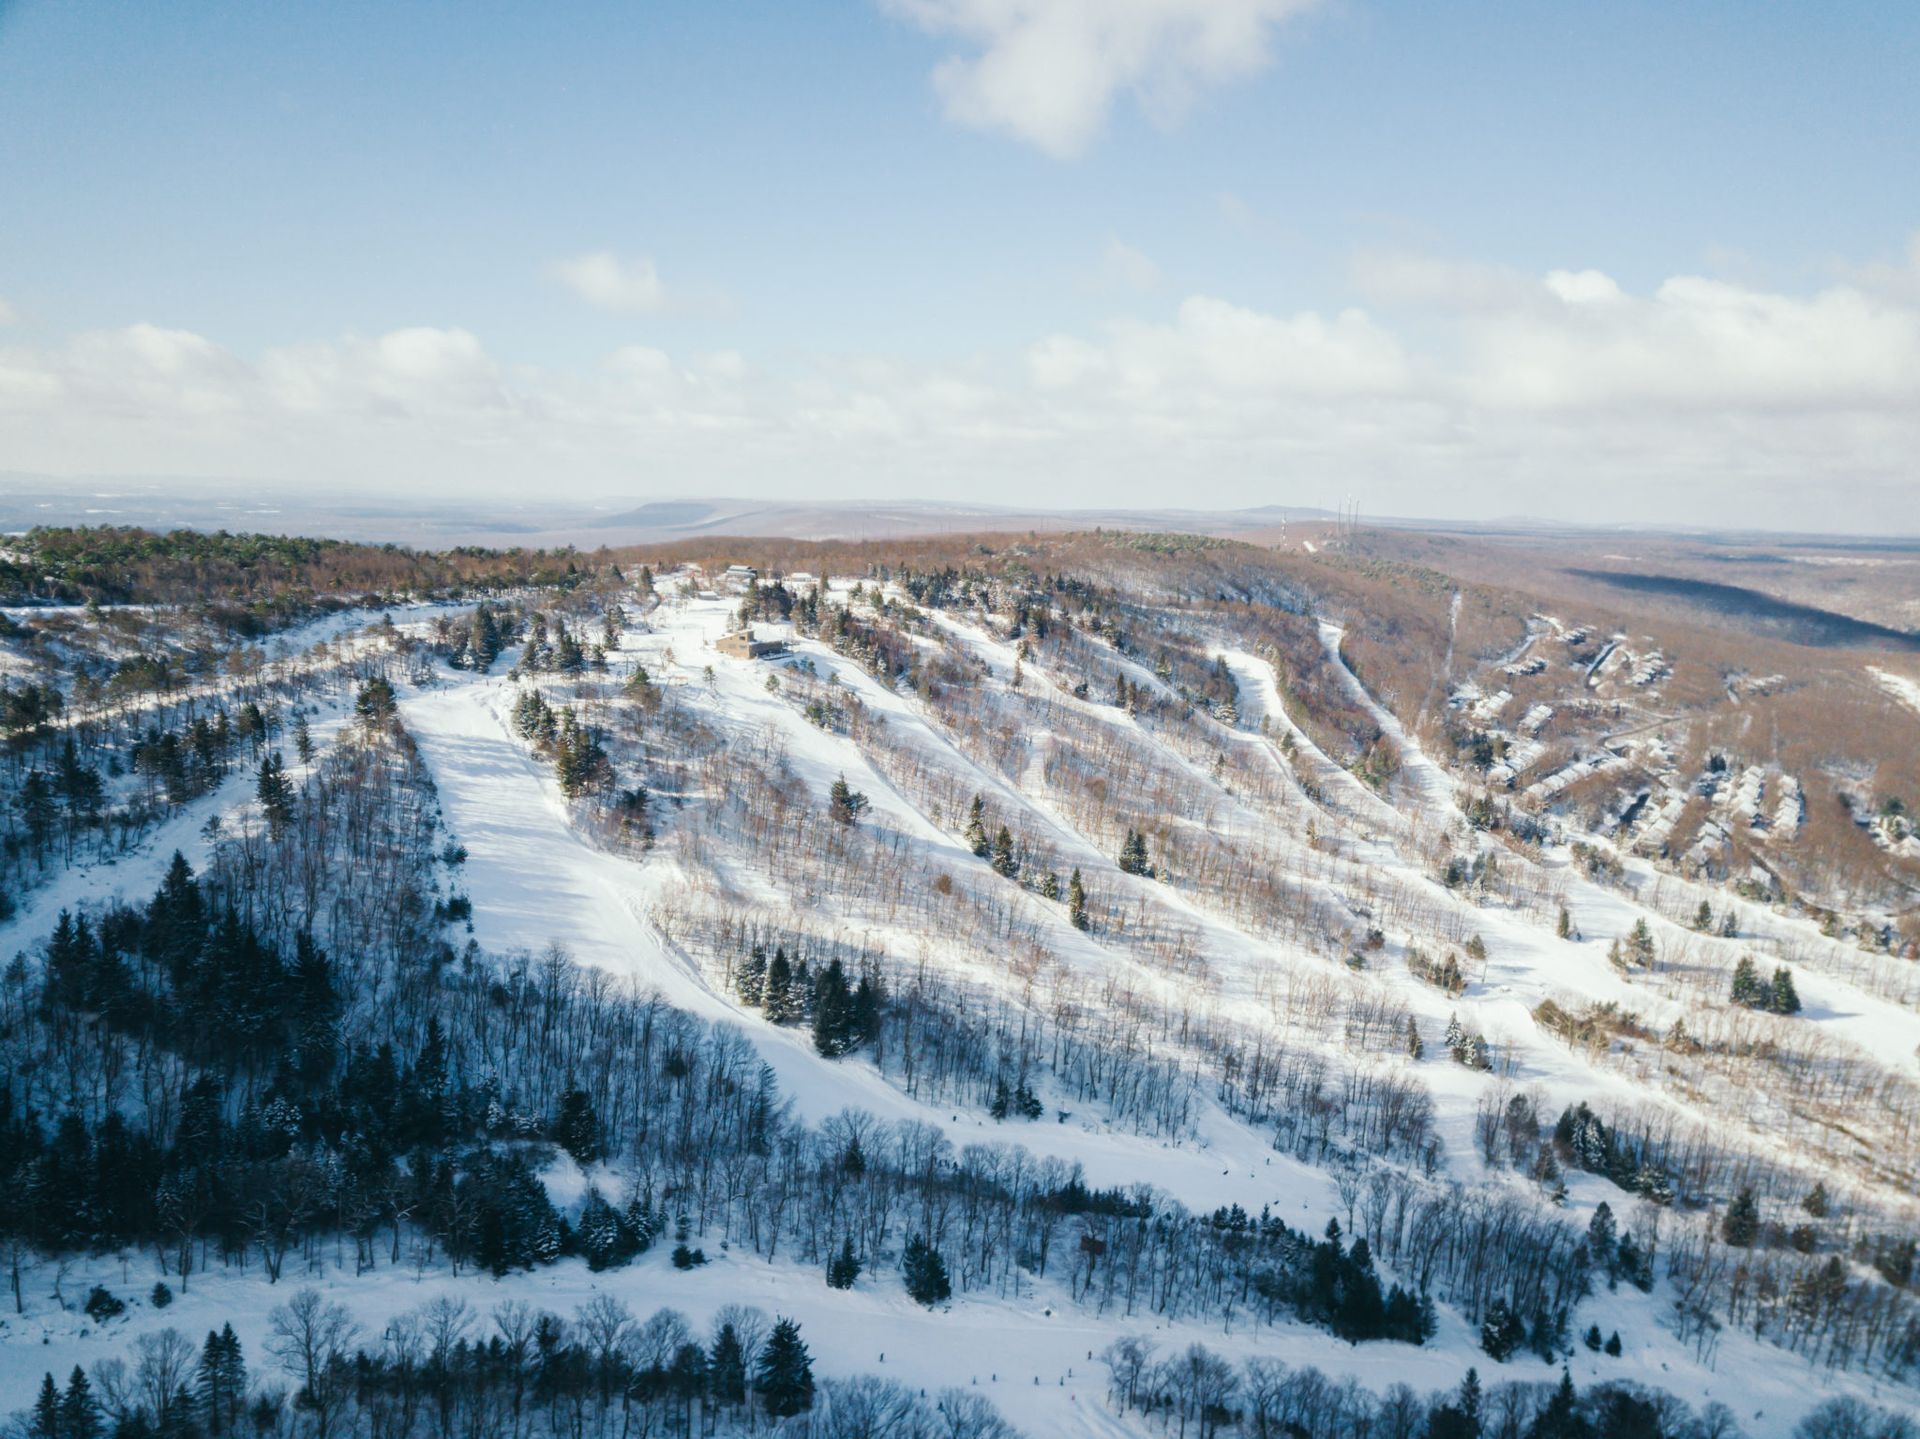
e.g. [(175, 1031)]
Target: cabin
[(742, 645)]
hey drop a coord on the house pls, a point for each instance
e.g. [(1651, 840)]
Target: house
[(742, 645)]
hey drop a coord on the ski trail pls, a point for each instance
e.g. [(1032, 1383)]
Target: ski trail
[(536, 880)]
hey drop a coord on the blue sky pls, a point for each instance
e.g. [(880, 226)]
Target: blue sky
[(1288, 250)]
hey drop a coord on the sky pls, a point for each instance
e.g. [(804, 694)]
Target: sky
[(1635, 263)]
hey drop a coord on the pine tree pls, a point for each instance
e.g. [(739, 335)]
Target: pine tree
[(781, 1002), (44, 1422), (1640, 943), (1816, 1203), (316, 1011), (727, 1368), (1501, 1332), (1781, 997), (303, 740), (1747, 985), (1414, 1047), (925, 1271), (1077, 902), (222, 1381), (275, 793), (1740, 1225), (1602, 1232), (483, 639), (834, 1030), (843, 1269), (375, 705), (845, 803), (79, 1410), (1561, 1418), (976, 833), (577, 1128), (750, 980), (785, 1373), (579, 762), (1003, 861), (1703, 917), (602, 1236)]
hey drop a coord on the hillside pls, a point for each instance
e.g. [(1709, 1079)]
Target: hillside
[(1236, 975)]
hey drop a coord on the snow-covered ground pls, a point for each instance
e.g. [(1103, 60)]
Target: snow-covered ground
[(537, 878)]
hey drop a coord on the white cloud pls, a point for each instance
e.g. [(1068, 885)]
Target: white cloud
[(1122, 267), (1394, 279), (1562, 393), (1048, 71), (1214, 352), (1695, 344), (607, 282)]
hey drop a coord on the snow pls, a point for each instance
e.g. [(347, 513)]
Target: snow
[(538, 879)]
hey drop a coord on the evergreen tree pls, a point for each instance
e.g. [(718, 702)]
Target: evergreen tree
[(483, 639), (727, 1369), (925, 1271), (845, 803), (1748, 988), (44, 1422), (1781, 998), (834, 1028), (222, 1381), (176, 921), (843, 1268), (1703, 917), (1003, 861), (1816, 1203), (780, 1000), (1601, 1233), (868, 997), (784, 1377), (976, 833), (1560, 1417), (1077, 902), (579, 761), (375, 705), (1459, 1418), (750, 980), (1502, 1331), (316, 1011), (577, 1128), (79, 1410), (1740, 1225)]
